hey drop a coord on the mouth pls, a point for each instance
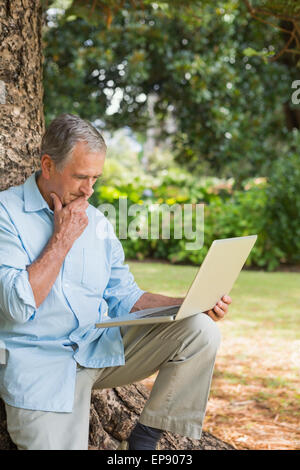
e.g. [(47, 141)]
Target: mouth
[(82, 195)]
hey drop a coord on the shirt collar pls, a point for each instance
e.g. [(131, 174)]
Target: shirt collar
[(33, 199)]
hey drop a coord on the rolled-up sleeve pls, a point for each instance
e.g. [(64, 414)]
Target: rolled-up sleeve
[(122, 292), (17, 301)]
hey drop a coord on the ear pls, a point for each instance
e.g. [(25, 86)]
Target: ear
[(47, 166)]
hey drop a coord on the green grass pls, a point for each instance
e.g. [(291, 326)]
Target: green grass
[(262, 302)]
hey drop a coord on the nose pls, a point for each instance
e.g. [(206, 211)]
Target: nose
[(87, 187)]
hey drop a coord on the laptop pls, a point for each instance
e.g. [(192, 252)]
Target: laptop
[(214, 279)]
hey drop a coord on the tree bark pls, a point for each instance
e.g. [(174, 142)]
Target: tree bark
[(21, 90), (113, 414)]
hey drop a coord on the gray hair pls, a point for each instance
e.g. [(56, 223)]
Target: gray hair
[(63, 134)]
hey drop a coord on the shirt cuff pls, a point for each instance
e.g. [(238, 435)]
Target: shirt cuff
[(127, 304), (24, 291)]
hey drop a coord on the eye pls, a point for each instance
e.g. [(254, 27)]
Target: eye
[(95, 178)]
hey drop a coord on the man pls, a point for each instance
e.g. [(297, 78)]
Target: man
[(58, 278)]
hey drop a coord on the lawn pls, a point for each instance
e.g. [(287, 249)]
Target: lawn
[(255, 397)]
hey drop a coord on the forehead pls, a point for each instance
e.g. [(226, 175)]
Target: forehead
[(85, 160)]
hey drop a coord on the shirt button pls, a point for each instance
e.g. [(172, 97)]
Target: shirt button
[(67, 284)]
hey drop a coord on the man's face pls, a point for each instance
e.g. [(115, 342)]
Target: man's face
[(78, 176)]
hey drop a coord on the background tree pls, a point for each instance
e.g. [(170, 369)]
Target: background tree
[(229, 121)]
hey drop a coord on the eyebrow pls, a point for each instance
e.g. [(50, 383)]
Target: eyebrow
[(87, 176)]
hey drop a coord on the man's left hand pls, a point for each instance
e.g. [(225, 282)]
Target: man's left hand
[(220, 309)]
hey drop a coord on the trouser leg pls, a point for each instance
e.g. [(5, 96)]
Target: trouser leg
[(184, 353), (45, 430)]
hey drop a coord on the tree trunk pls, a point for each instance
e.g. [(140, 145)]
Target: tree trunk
[(21, 90), (113, 414)]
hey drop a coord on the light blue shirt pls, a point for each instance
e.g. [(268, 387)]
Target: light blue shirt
[(39, 369)]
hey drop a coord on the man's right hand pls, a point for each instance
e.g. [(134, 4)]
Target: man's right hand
[(69, 221)]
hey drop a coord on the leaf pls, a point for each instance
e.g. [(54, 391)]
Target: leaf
[(250, 52)]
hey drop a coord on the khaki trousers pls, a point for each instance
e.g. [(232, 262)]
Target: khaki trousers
[(184, 353)]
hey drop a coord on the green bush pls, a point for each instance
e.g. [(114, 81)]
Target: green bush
[(268, 209), (282, 208)]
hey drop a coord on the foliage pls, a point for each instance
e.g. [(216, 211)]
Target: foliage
[(219, 100), (283, 206), (284, 15), (227, 214), (264, 11), (267, 207)]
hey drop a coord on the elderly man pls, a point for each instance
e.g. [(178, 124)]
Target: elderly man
[(57, 279)]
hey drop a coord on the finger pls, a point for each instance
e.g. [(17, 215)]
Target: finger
[(79, 202), (223, 306), (219, 311), (56, 202), (78, 206), (213, 315), (227, 299)]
